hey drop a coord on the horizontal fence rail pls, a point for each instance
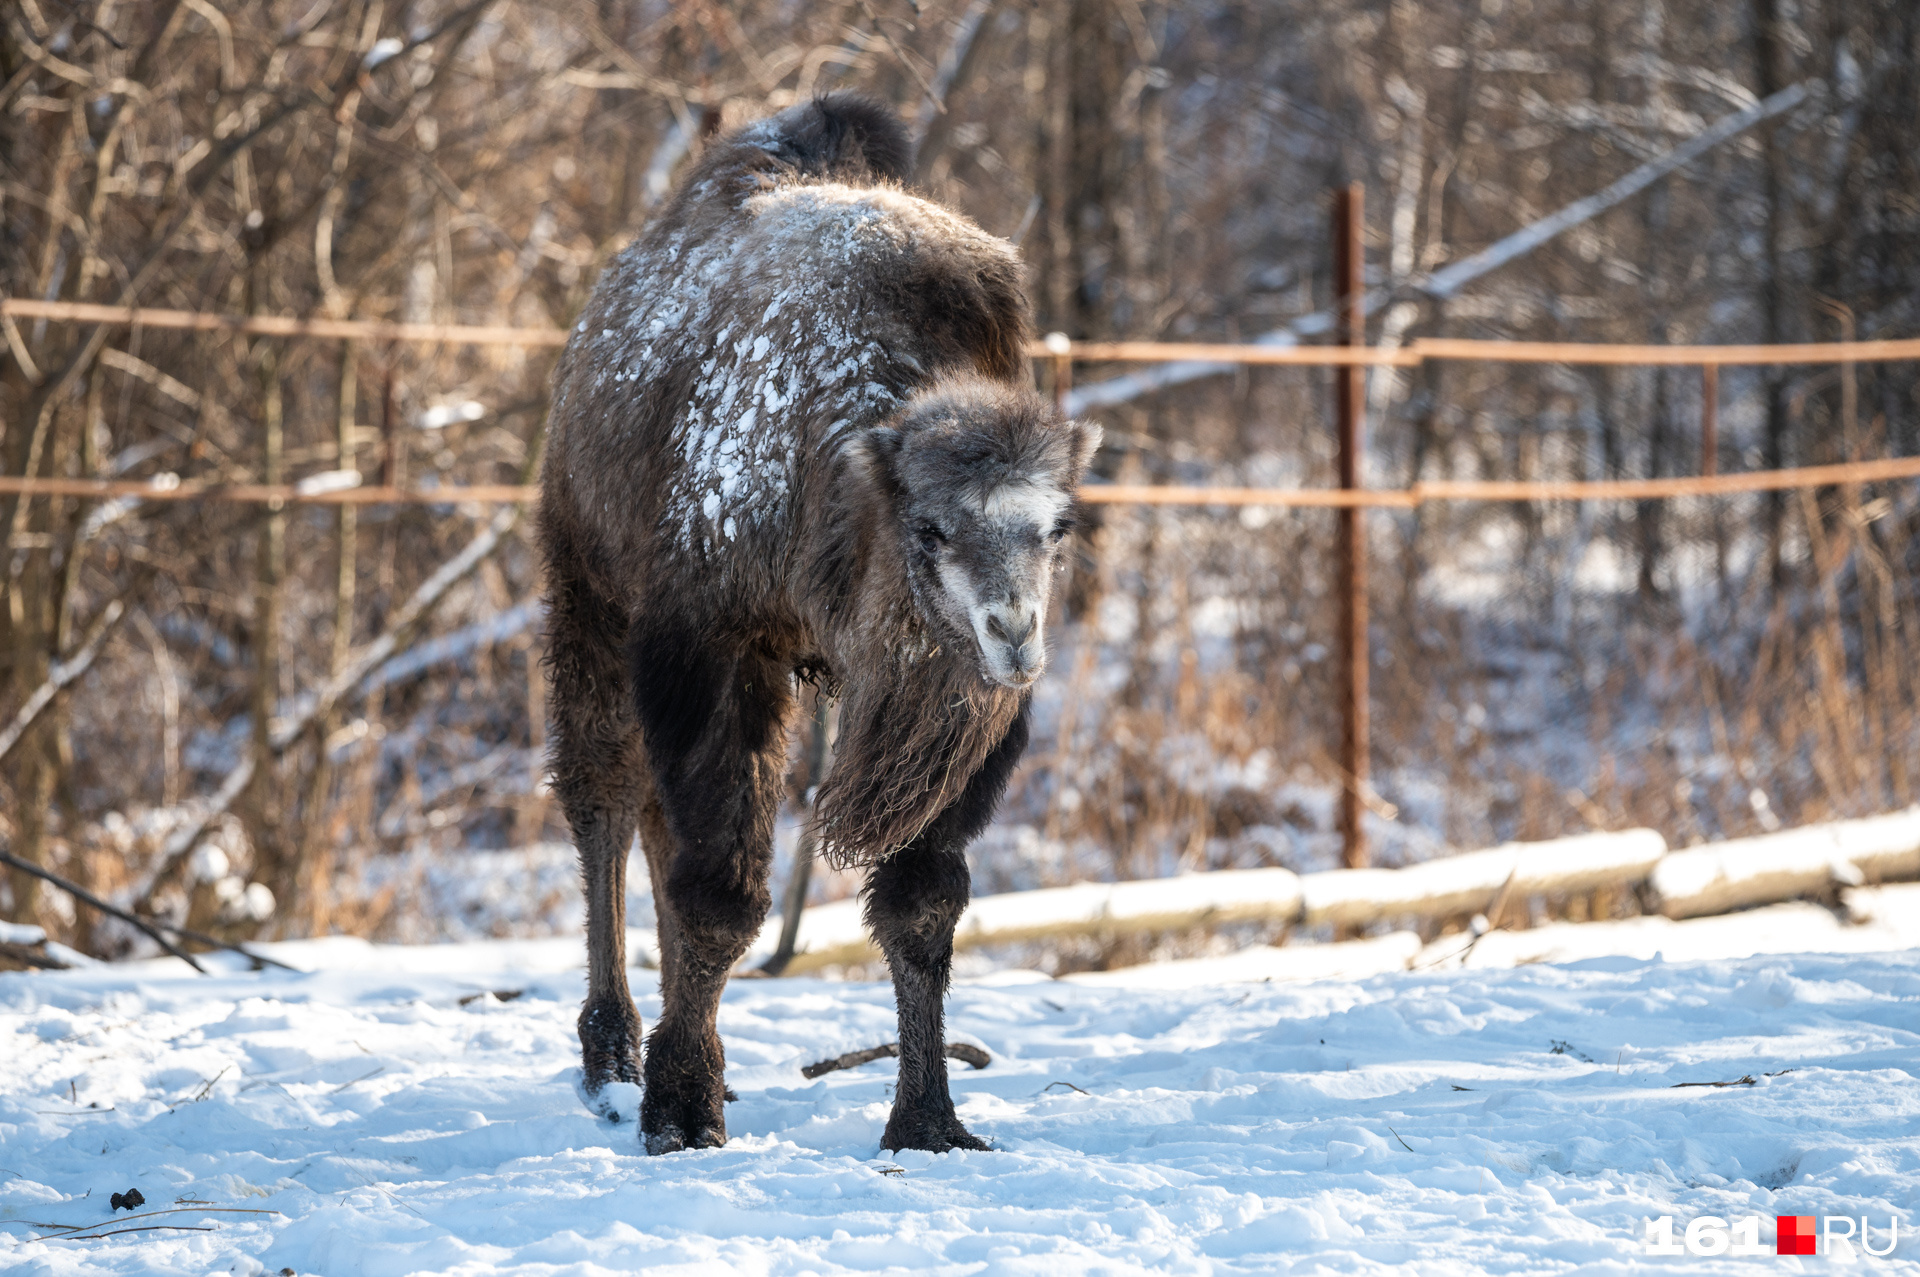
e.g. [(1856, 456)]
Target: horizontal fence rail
[(1520, 352), (1559, 352), (278, 325), (1094, 494), (1414, 353), (273, 493)]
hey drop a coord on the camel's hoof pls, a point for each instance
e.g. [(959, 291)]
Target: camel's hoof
[(609, 1081), (670, 1139), (614, 1100), (939, 1135)]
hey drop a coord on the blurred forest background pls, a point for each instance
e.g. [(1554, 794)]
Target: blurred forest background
[(1706, 667)]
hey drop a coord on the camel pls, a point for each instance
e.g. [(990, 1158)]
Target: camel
[(793, 437)]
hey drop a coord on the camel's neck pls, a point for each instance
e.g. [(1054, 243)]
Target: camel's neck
[(847, 579), (916, 716)]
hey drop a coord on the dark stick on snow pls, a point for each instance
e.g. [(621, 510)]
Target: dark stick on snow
[(198, 1209), (961, 1051), (152, 928), (1747, 1079), (137, 1228), (187, 933)]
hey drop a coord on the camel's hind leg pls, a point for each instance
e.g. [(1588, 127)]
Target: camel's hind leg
[(715, 720), (914, 900), (599, 775)]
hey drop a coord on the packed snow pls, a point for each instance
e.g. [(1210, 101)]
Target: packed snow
[(411, 1109)]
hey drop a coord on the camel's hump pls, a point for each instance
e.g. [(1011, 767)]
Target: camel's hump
[(754, 327), (836, 133)]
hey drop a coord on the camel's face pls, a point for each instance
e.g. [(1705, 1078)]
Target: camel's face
[(982, 495), (992, 560)]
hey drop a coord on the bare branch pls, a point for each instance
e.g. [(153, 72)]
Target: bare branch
[(913, 69), (1451, 279), (81, 894), (956, 68), (288, 730), (62, 674)]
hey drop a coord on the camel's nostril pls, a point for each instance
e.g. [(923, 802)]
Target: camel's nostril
[(996, 629)]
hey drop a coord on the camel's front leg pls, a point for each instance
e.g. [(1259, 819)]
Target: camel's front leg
[(715, 724), (914, 901)]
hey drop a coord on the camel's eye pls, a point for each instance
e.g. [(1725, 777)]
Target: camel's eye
[(1060, 531), (930, 539)]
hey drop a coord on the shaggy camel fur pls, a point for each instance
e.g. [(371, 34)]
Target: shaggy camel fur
[(793, 438)]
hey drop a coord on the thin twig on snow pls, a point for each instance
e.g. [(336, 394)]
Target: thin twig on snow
[(965, 1052)]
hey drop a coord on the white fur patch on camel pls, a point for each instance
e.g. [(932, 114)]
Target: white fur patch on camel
[(1030, 499)]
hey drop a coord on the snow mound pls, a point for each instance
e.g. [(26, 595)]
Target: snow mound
[(411, 1110)]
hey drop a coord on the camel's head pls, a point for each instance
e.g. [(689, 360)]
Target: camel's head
[(980, 478)]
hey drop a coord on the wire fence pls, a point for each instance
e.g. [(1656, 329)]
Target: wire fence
[(1054, 347), (310, 493), (1519, 688), (343, 488)]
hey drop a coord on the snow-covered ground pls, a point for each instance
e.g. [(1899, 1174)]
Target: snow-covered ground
[(379, 1118)]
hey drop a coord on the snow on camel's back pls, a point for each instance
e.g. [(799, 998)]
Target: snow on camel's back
[(792, 435)]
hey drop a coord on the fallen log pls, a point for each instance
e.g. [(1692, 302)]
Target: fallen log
[(1470, 882), (834, 935), (27, 948), (1842, 859), (29, 957), (1815, 860)]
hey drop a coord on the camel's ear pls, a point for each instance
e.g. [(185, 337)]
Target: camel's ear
[(874, 451), (1086, 441)]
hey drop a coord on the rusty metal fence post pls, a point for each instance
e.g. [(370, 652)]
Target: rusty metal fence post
[(1350, 288), (1709, 419), (1060, 351)]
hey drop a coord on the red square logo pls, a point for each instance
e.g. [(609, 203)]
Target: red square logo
[(1794, 1235)]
